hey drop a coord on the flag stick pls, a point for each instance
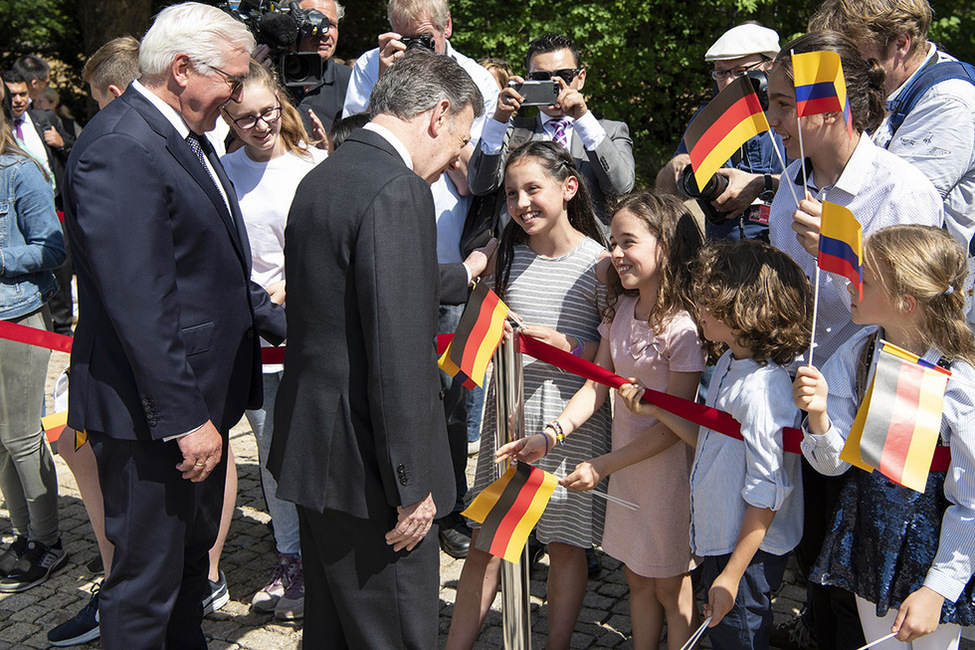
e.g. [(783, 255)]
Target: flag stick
[(878, 641), (516, 318), (812, 337), (782, 162), (617, 500), (802, 152), (697, 635)]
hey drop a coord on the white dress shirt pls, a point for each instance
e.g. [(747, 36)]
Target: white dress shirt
[(881, 189)]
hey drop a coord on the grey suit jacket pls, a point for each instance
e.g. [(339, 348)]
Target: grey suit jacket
[(608, 171)]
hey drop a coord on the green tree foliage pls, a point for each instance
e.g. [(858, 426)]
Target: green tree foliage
[(645, 61)]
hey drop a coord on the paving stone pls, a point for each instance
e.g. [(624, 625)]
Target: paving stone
[(25, 618)]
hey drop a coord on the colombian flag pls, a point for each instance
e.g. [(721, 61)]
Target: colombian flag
[(841, 244), (509, 508), (898, 425), (820, 87), (477, 337), (730, 120)]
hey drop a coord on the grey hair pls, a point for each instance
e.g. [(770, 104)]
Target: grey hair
[(339, 8), (205, 34), (407, 11), (418, 81)]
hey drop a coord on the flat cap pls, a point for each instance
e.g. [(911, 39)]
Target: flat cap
[(744, 40)]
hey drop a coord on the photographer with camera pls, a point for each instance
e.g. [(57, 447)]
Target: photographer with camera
[(736, 200), (325, 98), (601, 149)]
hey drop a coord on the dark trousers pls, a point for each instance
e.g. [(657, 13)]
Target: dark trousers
[(162, 526), (832, 611), (361, 594), (61, 303), (749, 622), (455, 409)]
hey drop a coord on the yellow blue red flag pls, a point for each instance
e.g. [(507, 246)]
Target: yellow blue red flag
[(820, 86)]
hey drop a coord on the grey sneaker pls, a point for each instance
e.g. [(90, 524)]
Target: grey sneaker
[(12, 555), (267, 598), (291, 606), (37, 563), (218, 596)]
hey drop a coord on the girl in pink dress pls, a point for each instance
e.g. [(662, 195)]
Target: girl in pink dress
[(648, 334)]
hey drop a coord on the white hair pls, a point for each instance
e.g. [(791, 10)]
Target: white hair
[(204, 33), (339, 9)]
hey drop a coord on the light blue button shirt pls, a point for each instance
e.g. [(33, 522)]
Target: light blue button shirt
[(729, 475)]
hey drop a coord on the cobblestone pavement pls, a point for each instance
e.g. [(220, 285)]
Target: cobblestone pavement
[(25, 618)]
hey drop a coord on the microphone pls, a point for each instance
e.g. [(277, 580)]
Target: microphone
[(277, 30)]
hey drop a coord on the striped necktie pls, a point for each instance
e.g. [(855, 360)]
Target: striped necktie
[(561, 136)]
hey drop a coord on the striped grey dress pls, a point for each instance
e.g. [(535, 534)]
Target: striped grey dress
[(565, 294)]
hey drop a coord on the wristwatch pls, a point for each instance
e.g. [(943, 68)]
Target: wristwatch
[(768, 193)]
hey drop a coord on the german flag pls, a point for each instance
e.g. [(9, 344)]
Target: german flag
[(53, 425), (477, 337), (509, 508), (820, 86), (841, 244), (898, 425), (730, 120)]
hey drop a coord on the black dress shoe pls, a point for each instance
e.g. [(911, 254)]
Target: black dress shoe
[(454, 541)]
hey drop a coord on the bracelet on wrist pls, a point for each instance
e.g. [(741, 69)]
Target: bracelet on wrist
[(557, 429), (547, 446), (580, 348)]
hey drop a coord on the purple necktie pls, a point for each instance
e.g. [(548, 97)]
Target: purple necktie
[(560, 132), (18, 128)]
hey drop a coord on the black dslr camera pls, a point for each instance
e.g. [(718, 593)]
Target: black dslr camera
[(422, 41), (717, 184), (281, 26)]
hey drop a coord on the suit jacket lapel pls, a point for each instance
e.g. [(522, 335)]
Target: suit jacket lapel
[(36, 122), (181, 151), (228, 187)]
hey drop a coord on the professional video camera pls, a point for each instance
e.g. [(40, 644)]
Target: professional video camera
[(717, 184), (280, 26)]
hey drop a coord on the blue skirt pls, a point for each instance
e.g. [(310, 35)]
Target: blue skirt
[(883, 540)]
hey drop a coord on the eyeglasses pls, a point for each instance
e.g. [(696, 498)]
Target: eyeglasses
[(236, 83), (269, 116), (565, 74), (740, 71)]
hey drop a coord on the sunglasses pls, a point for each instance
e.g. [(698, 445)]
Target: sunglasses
[(565, 74)]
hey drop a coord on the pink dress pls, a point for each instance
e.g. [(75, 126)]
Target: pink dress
[(654, 540)]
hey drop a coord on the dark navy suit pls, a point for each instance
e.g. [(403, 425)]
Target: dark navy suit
[(167, 338)]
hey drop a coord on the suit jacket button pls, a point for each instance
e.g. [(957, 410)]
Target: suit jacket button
[(250, 333)]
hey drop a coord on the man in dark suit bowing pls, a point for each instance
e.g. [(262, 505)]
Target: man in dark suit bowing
[(166, 356), (360, 442)]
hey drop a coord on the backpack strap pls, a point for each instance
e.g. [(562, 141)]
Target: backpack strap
[(933, 73)]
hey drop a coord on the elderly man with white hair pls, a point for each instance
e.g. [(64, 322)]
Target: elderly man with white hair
[(166, 354)]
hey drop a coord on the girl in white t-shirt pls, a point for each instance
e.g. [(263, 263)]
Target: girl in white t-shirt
[(266, 172)]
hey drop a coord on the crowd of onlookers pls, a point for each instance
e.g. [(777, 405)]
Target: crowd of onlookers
[(704, 294)]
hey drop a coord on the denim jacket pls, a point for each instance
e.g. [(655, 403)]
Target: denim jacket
[(31, 244)]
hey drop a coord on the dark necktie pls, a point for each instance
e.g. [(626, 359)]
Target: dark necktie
[(194, 141), (19, 128)]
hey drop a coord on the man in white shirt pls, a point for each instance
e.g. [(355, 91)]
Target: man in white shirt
[(937, 135)]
